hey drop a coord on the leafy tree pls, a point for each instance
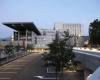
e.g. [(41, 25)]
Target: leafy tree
[(61, 51), (29, 46), (94, 32), (9, 49)]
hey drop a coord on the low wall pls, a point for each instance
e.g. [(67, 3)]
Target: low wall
[(90, 61)]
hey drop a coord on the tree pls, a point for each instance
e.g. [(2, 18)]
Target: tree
[(94, 32), (9, 49), (61, 51)]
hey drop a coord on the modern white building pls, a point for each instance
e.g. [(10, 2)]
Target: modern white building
[(46, 37), (27, 35), (74, 30), (24, 33)]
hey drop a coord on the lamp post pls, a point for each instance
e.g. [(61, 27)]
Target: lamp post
[(12, 40), (79, 41)]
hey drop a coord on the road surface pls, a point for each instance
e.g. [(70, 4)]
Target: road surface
[(29, 67)]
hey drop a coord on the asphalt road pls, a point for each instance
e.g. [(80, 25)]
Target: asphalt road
[(25, 68)]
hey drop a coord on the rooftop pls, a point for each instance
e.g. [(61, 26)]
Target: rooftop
[(23, 26)]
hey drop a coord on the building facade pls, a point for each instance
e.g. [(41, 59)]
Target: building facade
[(28, 36), (46, 37), (24, 34), (75, 30)]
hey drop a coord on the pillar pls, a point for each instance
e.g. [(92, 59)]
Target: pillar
[(18, 38), (26, 39)]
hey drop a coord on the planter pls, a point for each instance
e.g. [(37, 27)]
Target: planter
[(73, 75)]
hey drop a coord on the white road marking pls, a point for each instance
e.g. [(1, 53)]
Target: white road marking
[(50, 78), (41, 77), (8, 72), (21, 63), (18, 62), (5, 78), (10, 68), (21, 60), (16, 65)]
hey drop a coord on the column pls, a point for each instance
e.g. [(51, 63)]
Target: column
[(18, 38), (26, 39)]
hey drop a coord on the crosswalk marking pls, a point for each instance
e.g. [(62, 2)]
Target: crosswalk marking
[(10, 68), (5, 78), (8, 72)]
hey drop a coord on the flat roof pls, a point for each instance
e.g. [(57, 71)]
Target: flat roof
[(23, 26)]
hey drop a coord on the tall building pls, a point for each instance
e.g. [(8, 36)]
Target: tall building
[(74, 30)]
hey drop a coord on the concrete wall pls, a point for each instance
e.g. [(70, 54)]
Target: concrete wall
[(90, 61)]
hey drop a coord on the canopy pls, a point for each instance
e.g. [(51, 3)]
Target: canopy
[(23, 26)]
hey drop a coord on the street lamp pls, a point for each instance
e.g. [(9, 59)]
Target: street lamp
[(12, 40)]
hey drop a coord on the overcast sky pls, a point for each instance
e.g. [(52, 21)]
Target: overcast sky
[(44, 13)]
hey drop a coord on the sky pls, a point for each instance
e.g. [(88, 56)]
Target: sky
[(44, 13)]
